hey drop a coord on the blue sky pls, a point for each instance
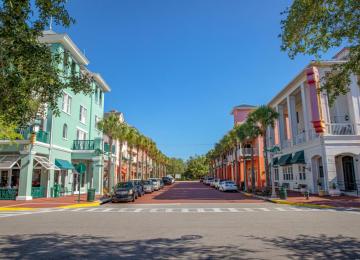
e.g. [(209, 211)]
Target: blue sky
[(177, 67)]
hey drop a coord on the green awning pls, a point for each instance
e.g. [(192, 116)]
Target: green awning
[(275, 161), (285, 159), (80, 168), (63, 164), (299, 157)]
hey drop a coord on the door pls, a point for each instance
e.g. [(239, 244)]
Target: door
[(349, 173)]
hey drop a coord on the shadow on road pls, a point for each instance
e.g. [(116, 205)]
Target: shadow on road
[(56, 246), (59, 246)]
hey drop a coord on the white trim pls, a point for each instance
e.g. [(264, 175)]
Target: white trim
[(65, 40), (97, 77), (61, 148), (24, 198), (82, 129), (14, 141), (42, 144)]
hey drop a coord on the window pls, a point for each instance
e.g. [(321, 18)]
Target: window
[(301, 170), (100, 97), (83, 112), (65, 129), (96, 95), (80, 135), (97, 120), (66, 104), (276, 171)]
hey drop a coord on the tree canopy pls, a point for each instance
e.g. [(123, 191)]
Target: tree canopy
[(196, 167), (29, 75), (314, 26)]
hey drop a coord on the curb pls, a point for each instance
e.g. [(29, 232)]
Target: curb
[(81, 205), (16, 209)]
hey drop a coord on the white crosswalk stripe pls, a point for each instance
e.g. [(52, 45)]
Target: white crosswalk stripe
[(171, 210)]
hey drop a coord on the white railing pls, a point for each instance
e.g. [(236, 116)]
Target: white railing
[(300, 138), (312, 134), (285, 144), (340, 129), (247, 151)]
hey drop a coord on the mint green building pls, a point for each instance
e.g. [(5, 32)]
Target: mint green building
[(67, 154)]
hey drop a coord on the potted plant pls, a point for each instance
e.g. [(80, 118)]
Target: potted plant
[(334, 191)]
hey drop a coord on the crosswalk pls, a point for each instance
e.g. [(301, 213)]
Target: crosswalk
[(169, 210)]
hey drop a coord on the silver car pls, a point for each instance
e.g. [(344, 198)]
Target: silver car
[(148, 186), (155, 183)]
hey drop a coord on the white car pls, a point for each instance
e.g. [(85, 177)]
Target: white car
[(217, 183), (155, 183), (210, 181), (213, 183), (228, 186)]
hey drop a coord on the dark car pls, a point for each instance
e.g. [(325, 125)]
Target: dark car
[(125, 191), (167, 180), (139, 187)]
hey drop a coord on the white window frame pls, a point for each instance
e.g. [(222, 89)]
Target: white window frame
[(97, 120), (82, 116), (66, 103), (78, 131), (66, 133)]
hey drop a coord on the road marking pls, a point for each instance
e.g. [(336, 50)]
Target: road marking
[(249, 209), (233, 210), (91, 209), (264, 209)]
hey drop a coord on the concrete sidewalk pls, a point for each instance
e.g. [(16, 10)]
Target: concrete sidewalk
[(65, 201)]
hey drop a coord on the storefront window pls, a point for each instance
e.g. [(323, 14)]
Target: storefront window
[(36, 178), (3, 179), (15, 178)]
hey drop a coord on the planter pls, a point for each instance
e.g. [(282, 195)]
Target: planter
[(334, 192), (322, 193)]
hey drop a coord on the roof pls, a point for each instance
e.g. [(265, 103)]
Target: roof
[(242, 106), (97, 77), (50, 36)]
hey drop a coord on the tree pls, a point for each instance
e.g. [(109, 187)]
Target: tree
[(121, 135), (314, 26), (196, 167), (131, 141), (176, 166), (29, 73), (110, 126), (264, 117)]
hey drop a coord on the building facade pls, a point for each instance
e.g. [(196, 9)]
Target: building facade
[(66, 155), (319, 143)]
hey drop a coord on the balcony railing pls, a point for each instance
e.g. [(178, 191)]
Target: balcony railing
[(107, 148), (248, 151), (300, 138), (340, 129), (43, 137), (83, 145)]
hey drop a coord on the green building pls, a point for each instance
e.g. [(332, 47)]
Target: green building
[(67, 153)]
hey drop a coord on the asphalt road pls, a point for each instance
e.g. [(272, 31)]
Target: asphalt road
[(181, 231)]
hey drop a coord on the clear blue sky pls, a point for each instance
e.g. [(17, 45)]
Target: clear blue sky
[(177, 67)]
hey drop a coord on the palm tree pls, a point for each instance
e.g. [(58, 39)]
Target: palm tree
[(131, 141), (121, 135), (235, 141), (265, 116), (109, 126), (139, 140)]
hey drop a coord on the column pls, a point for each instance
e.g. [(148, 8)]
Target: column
[(9, 179), (50, 182), (280, 110), (98, 175), (305, 112), (26, 171), (292, 117), (112, 172)]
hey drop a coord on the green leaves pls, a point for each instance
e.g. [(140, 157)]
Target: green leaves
[(29, 73), (314, 26)]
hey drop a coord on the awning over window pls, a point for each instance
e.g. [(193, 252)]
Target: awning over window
[(63, 164), (44, 162), (285, 159), (80, 168), (299, 157), (275, 161), (9, 161)]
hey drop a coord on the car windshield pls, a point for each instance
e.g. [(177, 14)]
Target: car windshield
[(147, 183), (229, 183), (124, 185)]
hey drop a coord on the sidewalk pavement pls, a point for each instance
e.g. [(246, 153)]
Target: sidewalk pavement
[(70, 201), (298, 199)]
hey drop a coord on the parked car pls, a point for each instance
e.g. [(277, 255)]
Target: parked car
[(212, 184), (125, 191), (161, 183), (139, 187), (217, 183), (155, 183), (148, 186), (228, 186), (167, 180), (210, 181)]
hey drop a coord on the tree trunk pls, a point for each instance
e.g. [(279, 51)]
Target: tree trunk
[(237, 167), (142, 164), (120, 161), (267, 175), (109, 165), (245, 170), (252, 170), (137, 162), (130, 164)]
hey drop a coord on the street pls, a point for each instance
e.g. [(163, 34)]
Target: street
[(184, 229)]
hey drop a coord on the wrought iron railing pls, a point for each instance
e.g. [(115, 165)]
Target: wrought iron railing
[(83, 145), (8, 193), (43, 136), (38, 192), (107, 148)]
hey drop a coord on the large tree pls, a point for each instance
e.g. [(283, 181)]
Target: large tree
[(314, 26), (176, 166), (196, 167), (29, 75)]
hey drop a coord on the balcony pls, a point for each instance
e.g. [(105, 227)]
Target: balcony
[(248, 151), (340, 129), (83, 145), (41, 136), (107, 148)]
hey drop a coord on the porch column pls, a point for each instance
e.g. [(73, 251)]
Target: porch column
[(26, 172), (329, 171), (280, 110), (98, 175), (305, 112), (112, 172), (292, 117), (50, 182)]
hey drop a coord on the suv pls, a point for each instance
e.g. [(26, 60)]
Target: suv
[(139, 187), (125, 191)]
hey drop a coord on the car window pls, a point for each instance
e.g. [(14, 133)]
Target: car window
[(124, 185)]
